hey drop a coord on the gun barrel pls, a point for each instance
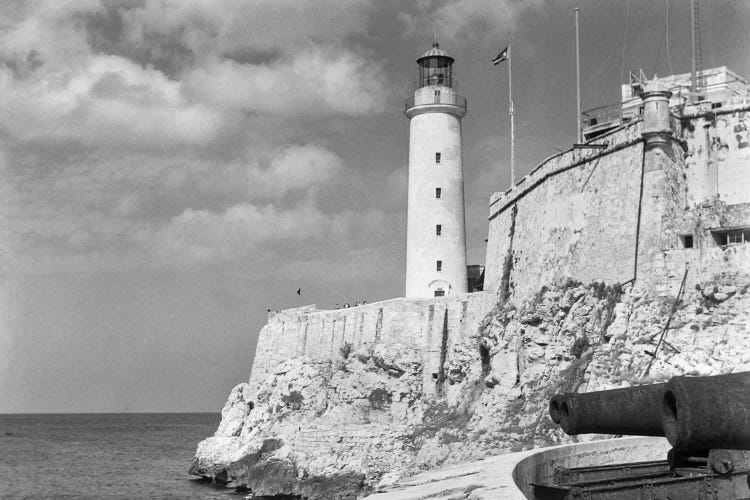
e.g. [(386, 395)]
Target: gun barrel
[(554, 407), (702, 413), (632, 411)]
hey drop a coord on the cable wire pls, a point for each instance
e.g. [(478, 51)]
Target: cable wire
[(669, 58), (658, 53), (739, 20)]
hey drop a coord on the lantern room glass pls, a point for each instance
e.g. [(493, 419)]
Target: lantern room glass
[(436, 70)]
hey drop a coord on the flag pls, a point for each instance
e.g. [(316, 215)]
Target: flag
[(502, 56)]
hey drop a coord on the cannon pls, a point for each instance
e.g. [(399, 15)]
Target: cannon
[(693, 413), (707, 412), (705, 419), (632, 411)]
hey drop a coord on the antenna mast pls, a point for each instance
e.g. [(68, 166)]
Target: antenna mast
[(695, 21), (578, 87)]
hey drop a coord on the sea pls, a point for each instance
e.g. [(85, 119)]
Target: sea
[(122, 455)]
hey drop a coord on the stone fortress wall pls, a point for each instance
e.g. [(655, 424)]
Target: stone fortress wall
[(429, 326), (622, 212), (574, 215)]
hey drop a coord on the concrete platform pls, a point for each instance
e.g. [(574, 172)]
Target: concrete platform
[(506, 477)]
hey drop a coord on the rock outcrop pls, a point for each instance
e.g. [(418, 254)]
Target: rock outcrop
[(342, 427)]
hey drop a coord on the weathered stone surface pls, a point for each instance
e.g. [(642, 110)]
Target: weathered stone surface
[(364, 418)]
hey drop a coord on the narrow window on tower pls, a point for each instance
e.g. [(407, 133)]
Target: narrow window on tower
[(438, 229), (437, 157), (439, 265), (438, 192)]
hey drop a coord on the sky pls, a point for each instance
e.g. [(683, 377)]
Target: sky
[(170, 169)]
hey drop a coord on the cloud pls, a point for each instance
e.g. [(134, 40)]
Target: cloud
[(137, 210), (110, 101), (257, 176), (197, 236), (315, 81), (297, 168), (236, 28), (62, 78), (142, 131), (474, 21)]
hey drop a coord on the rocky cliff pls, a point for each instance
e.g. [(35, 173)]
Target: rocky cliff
[(356, 422)]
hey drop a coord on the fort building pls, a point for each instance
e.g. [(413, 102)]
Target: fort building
[(659, 198), (662, 194), (715, 86), (656, 200)]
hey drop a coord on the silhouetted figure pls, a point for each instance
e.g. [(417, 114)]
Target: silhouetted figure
[(337, 306), (346, 305)]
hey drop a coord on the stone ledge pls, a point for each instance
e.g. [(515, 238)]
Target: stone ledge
[(507, 477), (623, 137)]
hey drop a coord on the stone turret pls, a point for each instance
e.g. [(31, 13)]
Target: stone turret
[(653, 237), (656, 123)]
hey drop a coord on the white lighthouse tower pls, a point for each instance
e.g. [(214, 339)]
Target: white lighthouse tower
[(435, 232)]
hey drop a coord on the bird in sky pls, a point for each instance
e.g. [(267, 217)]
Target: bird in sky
[(299, 291)]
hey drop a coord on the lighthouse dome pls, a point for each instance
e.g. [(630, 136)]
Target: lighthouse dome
[(435, 51)]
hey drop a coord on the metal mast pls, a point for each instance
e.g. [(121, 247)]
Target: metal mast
[(578, 86), (697, 60), (512, 113)]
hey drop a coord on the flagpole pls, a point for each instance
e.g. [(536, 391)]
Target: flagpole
[(512, 114), (578, 87)]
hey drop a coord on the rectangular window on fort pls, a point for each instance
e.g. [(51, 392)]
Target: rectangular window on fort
[(437, 157), (731, 236), (439, 293), (686, 240), (439, 265), (438, 229), (438, 192)]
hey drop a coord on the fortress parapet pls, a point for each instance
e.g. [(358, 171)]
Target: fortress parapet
[(617, 139)]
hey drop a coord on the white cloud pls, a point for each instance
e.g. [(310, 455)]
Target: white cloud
[(314, 81), (476, 21), (297, 168), (111, 100), (54, 85), (258, 176), (115, 158), (48, 28), (197, 236), (133, 211), (234, 26)]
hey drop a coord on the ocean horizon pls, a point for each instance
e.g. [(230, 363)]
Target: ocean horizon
[(104, 455)]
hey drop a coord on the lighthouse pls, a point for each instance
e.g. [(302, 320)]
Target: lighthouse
[(435, 226)]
